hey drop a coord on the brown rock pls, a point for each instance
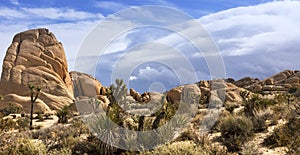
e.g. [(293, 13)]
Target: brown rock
[(233, 97), (85, 85), (233, 93), (244, 82), (297, 74), (287, 86), (174, 95), (297, 85), (292, 80), (269, 81), (204, 83), (104, 101), (36, 57), (155, 98), (137, 96), (282, 76), (256, 87)]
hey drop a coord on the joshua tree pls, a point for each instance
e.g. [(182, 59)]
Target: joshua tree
[(117, 94), (63, 115), (33, 99)]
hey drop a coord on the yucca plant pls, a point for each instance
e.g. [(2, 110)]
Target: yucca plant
[(33, 98)]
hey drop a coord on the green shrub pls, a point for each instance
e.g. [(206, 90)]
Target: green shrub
[(63, 115), (235, 131)]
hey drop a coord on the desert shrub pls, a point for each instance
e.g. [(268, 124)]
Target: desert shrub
[(23, 123), (230, 107), (235, 131), (7, 124), (40, 116), (281, 111), (191, 134), (105, 129), (16, 143), (183, 147), (63, 151), (250, 149), (63, 115), (61, 137), (287, 135), (12, 109), (255, 103), (260, 118)]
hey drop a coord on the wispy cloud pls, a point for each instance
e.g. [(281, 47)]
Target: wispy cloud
[(257, 40), (58, 13), (69, 25), (9, 13), (14, 2), (112, 6)]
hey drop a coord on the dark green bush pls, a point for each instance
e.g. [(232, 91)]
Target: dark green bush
[(63, 115)]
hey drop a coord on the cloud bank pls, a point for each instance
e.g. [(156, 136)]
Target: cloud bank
[(255, 41)]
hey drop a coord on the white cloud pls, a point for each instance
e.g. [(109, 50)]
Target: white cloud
[(9, 13), (132, 78), (70, 33), (257, 40), (14, 2), (112, 6), (59, 13)]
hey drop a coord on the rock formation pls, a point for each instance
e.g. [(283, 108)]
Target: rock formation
[(280, 82), (36, 57), (85, 85), (144, 98)]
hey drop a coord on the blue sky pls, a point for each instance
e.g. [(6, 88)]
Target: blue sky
[(255, 38)]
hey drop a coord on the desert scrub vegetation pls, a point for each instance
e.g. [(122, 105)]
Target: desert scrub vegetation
[(178, 148), (63, 115), (11, 109), (288, 135), (20, 143), (235, 131), (189, 142)]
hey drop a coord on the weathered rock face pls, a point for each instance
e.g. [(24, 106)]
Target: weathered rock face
[(191, 94), (36, 57), (85, 85), (145, 97), (174, 95), (244, 82)]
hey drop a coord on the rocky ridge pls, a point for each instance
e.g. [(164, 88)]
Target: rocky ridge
[(37, 57)]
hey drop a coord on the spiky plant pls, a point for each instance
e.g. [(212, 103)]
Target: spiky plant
[(33, 98), (63, 115)]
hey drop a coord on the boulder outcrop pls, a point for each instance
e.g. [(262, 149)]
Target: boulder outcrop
[(36, 57), (85, 85)]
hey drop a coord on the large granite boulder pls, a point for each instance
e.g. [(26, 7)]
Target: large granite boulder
[(85, 85), (174, 95), (36, 57)]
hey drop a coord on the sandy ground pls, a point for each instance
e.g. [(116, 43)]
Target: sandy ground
[(259, 138)]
